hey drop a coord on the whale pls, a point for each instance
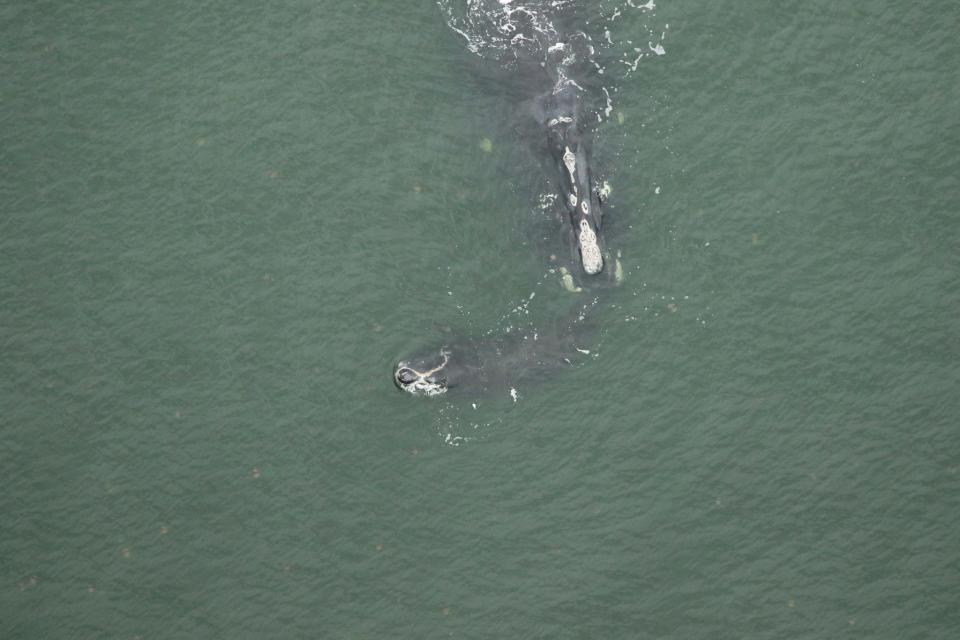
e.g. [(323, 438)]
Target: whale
[(528, 43), (494, 364), (560, 114)]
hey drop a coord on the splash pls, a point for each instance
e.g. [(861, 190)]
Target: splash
[(494, 28), (611, 38)]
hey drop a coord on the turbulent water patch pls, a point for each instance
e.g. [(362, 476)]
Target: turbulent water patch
[(494, 28), (596, 35)]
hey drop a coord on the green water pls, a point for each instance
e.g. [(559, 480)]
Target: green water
[(222, 222)]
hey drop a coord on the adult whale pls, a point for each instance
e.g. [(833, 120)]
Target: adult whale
[(541, 50), (560, 112)]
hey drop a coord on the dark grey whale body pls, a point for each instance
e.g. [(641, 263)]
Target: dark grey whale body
[(496, 364), (570, 146), (532, 43)]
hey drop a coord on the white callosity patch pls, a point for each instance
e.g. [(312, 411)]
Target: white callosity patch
[(422, 385), (573, 200), (589, 249), (570, 162), (561, 120), (585, 208)]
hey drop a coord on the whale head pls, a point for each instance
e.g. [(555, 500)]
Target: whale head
[(424, 376)]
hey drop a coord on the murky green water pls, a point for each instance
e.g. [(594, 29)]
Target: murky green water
[(222, 222)]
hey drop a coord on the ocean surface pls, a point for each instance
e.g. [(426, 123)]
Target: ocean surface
[(222, 223)]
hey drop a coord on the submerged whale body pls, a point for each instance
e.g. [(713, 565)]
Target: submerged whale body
[(524, 37), (497, 364)]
